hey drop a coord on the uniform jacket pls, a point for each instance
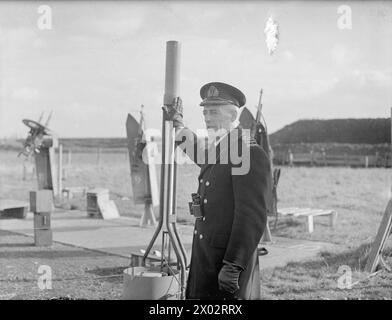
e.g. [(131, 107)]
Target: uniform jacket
[(235, 214)]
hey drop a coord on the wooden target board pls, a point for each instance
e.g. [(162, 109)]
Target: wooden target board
[(383, 233), (143, 174)]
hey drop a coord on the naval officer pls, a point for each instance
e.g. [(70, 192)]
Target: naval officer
[(230, 206)]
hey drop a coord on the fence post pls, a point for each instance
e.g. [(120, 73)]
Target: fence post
[(291, 158), (311, 158), (69, 160), (60, 172), (366, 161)]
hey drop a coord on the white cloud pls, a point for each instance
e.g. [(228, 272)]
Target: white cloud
[(120, 28), (25, 93), (341, 55)]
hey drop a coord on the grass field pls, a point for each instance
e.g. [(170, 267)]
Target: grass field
[(358, 195)]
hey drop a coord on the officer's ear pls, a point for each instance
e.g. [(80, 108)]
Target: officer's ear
[(234, 114)]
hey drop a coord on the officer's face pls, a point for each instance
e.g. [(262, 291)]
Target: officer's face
[(218, 117)]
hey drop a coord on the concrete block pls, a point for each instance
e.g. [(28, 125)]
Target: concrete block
[(42, 220), (41, 201), (43, 238)]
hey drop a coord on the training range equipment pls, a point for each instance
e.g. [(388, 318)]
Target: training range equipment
[(41, 204), (41, 143), (99, 204), (375, 258), (10, 208), (143, 169), (167, 212)]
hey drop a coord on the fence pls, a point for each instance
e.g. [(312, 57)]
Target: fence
[(324, 159), (280, 158)]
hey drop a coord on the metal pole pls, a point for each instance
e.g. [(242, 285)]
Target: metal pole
[(167, 221)]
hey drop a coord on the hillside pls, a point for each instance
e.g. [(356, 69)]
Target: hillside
[(337, 136), (353, 131)]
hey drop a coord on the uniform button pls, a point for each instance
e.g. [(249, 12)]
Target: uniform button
[(204, 218), (201, 236), (195, 232), (201, 180), (205, 200), (207, 183)]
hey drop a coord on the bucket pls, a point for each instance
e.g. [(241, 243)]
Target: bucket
[(149, 283)]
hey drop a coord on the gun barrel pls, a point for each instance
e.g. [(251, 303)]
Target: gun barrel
[(259, 106)]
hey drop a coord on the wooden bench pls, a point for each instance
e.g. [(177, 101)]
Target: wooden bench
[(70, 191), (10, 208), (310, 213)]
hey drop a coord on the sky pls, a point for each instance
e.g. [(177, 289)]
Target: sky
[(102, 60)]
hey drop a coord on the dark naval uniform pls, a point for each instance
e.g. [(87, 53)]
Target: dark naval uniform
[(234, 217), (233, 205)]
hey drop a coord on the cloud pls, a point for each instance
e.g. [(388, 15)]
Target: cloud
[(25, 93), (341, 55), (367, 80), (120, 28)]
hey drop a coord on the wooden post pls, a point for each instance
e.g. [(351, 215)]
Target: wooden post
[(311, 158), (310, 224), (24, 170), (291, 158), (69, 160), (366, 161), (383, 232), (60, 172)]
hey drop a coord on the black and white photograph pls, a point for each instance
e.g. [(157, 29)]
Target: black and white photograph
[(211, 152)]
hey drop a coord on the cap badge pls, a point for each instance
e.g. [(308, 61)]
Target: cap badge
[(212, 92)]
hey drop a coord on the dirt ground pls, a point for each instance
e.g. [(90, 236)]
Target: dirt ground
[(76, 273)]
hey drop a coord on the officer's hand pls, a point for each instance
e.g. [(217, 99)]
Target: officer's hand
[(228, 277), (174, 113)]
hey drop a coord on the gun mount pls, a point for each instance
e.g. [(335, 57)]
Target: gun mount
[(36, 137)]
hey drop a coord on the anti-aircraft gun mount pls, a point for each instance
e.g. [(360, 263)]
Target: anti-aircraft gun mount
[(41, 143)]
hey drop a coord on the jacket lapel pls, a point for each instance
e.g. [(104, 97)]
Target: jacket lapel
[(221, 149)]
